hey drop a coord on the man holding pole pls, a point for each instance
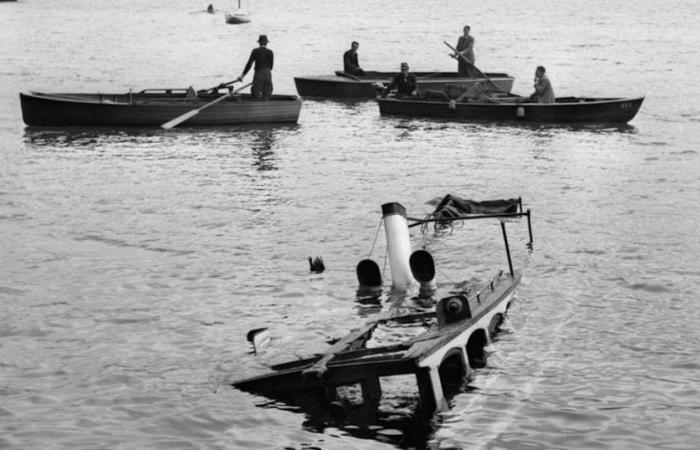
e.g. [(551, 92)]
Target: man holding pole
[(465, 47)]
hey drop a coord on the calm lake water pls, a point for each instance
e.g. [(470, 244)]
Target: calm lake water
[(134, 261)]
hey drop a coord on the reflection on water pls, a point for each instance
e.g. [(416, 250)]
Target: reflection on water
[(397, 421), (71, 137), (211, 226), (413, 124), (262, 145), (261, 136), (397, 418)]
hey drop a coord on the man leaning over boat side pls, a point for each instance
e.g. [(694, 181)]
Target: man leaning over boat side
[(544, 93), (350, 63), (405, 83), (262, 78)]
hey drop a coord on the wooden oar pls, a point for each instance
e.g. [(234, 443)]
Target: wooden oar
[(476, 69), (220, 85), (188, 115)]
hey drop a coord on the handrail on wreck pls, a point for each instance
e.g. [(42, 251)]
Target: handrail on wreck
[(417, 222)]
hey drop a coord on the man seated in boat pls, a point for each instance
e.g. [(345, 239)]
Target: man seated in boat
[(191, 94), (405, 83), (350, 63), (544, 93)]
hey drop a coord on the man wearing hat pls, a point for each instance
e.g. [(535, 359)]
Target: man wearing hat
[(404, 82), (262, 79)]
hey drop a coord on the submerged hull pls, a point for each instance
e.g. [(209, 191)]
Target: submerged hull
[(565, 110), (153, 108), (352, 362), (368, 86)]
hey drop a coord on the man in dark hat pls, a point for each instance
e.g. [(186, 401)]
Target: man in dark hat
[(262, 79), (405, 83)]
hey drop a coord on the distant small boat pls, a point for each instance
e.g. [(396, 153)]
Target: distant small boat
[(564, 110), (154, 107), (238, 16)]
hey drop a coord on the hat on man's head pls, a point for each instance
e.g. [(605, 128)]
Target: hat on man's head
[(404, 65), (263, 39)]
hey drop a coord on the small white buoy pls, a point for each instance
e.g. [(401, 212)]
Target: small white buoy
[(520, 112), (452, 104)]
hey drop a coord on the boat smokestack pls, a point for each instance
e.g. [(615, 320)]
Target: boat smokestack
[(423, 270), (398, 245)]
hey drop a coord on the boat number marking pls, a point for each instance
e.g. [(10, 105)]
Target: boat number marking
[(625, 105)]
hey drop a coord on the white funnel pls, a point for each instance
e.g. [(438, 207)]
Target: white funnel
[(398, 244)]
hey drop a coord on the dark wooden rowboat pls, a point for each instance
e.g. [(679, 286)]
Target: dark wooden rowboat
[(565, 110), (342, 85), (154, 107)]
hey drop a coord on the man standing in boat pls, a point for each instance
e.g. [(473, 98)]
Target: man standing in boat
[(465, 47), (405, 83), (262, 79), (350, 64), (544, 93)]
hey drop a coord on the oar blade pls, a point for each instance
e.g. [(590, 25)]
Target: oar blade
[(178, 120)]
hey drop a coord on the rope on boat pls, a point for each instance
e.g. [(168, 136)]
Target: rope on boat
[(376, 236)]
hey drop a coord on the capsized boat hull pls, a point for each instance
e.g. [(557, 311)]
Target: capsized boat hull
[(153, 108)]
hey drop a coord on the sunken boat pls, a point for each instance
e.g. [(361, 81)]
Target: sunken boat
[(154, 107), (455, 330), (367, 86)]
